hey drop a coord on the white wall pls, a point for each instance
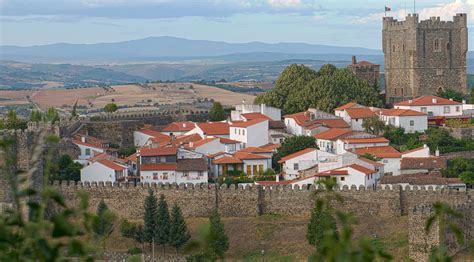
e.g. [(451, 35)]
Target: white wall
[(97, 172), (356, 124), (210, 148), (254, 135), (303, 162), (436, 110), (139, 138), (86, 155), (420, 123), (342, 147), (172, 176), (424, 152), (392, 165), (292, 127)]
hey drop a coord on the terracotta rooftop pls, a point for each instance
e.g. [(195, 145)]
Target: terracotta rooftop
[(334, 123), (248, 156), (160, 151), (372, 162), (363, 112), (401, 112), (365, 140), (427, 101), (158, 167), (198, 143), (332, 134), (296, 154), (152, 133), (179, 127), (379, 151), (228, 141), (111, 164), (89, 141), (227, 160), (245, 124), (214, 128), (433, 178), (423, 163), (271, 146), (255, 150), (346, 106), (198, 164), (362, 169), (251, 116)]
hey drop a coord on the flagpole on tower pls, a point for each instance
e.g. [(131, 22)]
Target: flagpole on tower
[(414, 6)]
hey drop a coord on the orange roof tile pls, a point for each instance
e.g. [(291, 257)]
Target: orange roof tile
[(156, 167), (251, 116), (332, 133), (245, 124), (300, 117), (362, 169), (132, 157), (427, 101), (375, 163), (201, 142), (229, 141), (365, 140), (363, 112), (160, 151), (227, 160), (334, 123), (179, 127), (89, 142), (379, 151), (256, 150), (111, 164), (247, 156), (152, 133), (271, 146), (296, 154), (214, 128), (346, 106), (401, 112)]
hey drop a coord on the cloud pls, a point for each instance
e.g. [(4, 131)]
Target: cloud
[(152, 9), (445, 11)]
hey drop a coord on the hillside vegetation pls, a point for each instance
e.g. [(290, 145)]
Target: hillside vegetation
[(300, 87)]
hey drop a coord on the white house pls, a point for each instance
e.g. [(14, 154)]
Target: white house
[(245, 110), (248, 163), (250, 133), (433, 106), (389, 156), (178, 128), (410, 120), (327, 140), (183, 171), (340, 111), (311, 122), (355, 116), (104, 171), (206, 146), (89, 147), (347, 143), (142, 136), (292, 165)]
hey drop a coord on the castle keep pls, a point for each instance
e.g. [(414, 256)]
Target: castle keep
[(424, 57)]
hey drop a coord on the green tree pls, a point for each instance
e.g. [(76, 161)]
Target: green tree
[(299, 87), (110, 107), (13, 122), (36, 116), (179, 234), (52, 115), (321, 221), (216, 113), (162, 234), (74, 111), (471, 96), (291, 145), (104, 223), (217, 240), (72, 172), (467, 177), (373, 125), (150, 217), (451, 94), (371, 157)]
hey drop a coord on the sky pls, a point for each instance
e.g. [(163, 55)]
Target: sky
[(331, 22)]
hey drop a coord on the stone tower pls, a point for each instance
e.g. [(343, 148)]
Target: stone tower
[(365, 70), (424, 57)]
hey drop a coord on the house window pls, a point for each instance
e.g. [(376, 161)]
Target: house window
[(260, 168), (200, 174), (235, 131), (412, 122), (343, 178), (165, 176), (243, 132), (447, 110), (385, 161), (88, 151), (457, 109), (255, 169), (155, 176), (153, 160), (295, 166), (239, 132), (249, 169), (423, 109), (185, 173), (163, 159)]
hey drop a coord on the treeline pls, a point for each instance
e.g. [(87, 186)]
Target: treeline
[(299, 88)]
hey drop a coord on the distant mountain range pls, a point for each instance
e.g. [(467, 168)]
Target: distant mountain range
[(172, 48)]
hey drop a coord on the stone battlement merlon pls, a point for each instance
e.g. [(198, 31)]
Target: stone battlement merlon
[(411, 21)]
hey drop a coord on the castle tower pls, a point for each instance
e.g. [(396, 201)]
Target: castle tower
[(424, 57), (365, 70)]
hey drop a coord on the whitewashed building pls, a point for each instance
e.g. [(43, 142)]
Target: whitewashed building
[(432, 106), (243, 111), (292, 165), (142, 136), (250, 133), (178, 128), (410, 120), (104, 171), (311, 122)]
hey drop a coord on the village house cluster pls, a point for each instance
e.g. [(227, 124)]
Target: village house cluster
[(198, 152)]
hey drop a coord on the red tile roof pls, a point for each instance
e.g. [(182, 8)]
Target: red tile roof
[(249, 156), (333, 172), (379, 151), (427, 101), (303, 119), (111, 164), (227, 160), (153, 133), (300, 118), (332, 133), (229, 141), (401, 112), (179, 127), (333, 123), (158, 167), (363, 112), (196, 144), (89, 141), (372, 162), (296, 154), (251, 116), (256, 150), (271, 146), (346, 106), (423, 163), (160, 151), (214, 128), (132, 157), (245, 124), (365, 140), (362, 169)]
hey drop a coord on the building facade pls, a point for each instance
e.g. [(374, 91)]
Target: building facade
[(423, 57)]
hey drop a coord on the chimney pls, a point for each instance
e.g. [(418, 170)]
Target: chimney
[(437, 152), (184, 124), (425, 145), (191, 144), (410, 101), (83, 139), (450, 99), (464, 101), (354, 60), (277, 177), (262, 108), (434, 100)]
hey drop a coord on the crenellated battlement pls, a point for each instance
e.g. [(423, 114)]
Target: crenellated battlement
[(412, 21)]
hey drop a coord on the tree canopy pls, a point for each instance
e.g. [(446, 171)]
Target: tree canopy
[(110, 107), (299, 87), (451, 93), (216, 113), (293, 144)]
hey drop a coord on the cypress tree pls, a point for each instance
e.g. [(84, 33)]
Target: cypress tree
[(162, 223), (217, 240), (179, 234), (104, 222), (321, 223), (149, 219)]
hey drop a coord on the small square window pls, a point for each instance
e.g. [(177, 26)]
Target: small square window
[(343, 178), (295, 166), (412, 122), (447, 110)]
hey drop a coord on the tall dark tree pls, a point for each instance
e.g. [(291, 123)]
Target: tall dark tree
[(162, 234), (179, 234), (104, 223), (321, 223), (150, 217), (217, 240), (217, 113)]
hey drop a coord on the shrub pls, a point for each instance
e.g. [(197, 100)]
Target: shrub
[(134, 250)]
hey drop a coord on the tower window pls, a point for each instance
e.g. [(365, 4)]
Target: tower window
[(393, 48), (436, 45), (403, 47), (448, 46)]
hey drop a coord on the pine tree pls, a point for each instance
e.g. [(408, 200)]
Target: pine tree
[(104, 222), (162, 223), (321, 223), (179, 234), (216, 113), (217, 240), (149, 219)]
